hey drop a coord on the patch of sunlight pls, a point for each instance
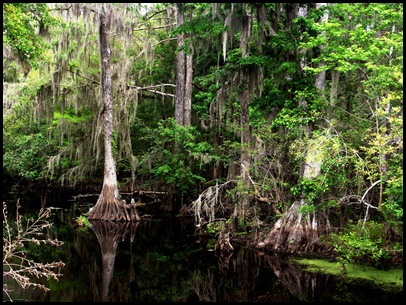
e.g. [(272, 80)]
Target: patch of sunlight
[(393, 276)]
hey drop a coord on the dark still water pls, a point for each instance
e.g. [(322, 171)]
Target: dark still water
[(162, 259)]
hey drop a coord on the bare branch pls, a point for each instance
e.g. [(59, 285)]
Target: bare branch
[(143, 51), (156, 86), (158, 27), (60, 8), (362, 199), (162, 93), (154, 91), (92, 80), (156, 13), (207, 204)]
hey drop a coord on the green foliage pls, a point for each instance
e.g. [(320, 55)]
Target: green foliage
[(26, 155), (20, 23), (312, 189), (349, 43), (171, 154), (70, 116), (26, 146), (307, 208), (213, 227), (254, 60), (331, 153), (355, 133), (203, 99), (362, 243), (82, 221), (200, 26)]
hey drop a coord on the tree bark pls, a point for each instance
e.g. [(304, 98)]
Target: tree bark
[(187, 108), (320, 81), (180, 69), (241, 208), (184, 75), (335, 76), (109, 206), (294, 231)]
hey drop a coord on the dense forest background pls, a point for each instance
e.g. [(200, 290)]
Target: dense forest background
[(248, 111)]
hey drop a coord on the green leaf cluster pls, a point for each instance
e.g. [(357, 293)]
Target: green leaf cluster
[(176, 156), (22, 24), (362, 243)]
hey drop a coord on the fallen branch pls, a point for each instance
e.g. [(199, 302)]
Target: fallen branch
[(145, 192), (84, 196)]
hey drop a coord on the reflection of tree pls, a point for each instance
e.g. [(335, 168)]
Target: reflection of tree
[(303, 285), (247, 276), (205, 286), (109, 234), (235, 280)]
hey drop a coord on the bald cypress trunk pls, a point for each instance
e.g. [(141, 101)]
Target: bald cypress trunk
[(180, 69), (187, 109), (109, 206), (295, 231)]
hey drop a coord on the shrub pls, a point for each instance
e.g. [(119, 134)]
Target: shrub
[(17, 265), (362, 243)]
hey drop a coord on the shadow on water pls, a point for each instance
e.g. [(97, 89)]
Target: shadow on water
[(160, 260)]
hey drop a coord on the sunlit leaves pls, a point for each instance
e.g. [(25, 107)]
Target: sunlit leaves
[(358, 40), (200, 26), (22, 24)]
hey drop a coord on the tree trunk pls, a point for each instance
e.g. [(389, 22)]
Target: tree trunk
[(320, 81), (187, 109), (241, 208), (296, 231), (243, 204), (180, 69), (184, 75), (109, 206), (335, 76)]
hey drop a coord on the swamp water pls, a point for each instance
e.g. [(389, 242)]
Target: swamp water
[(162, 259)]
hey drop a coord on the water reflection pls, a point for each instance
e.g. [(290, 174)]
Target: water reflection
[(109, 234), (162, 260), (302, 285)]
